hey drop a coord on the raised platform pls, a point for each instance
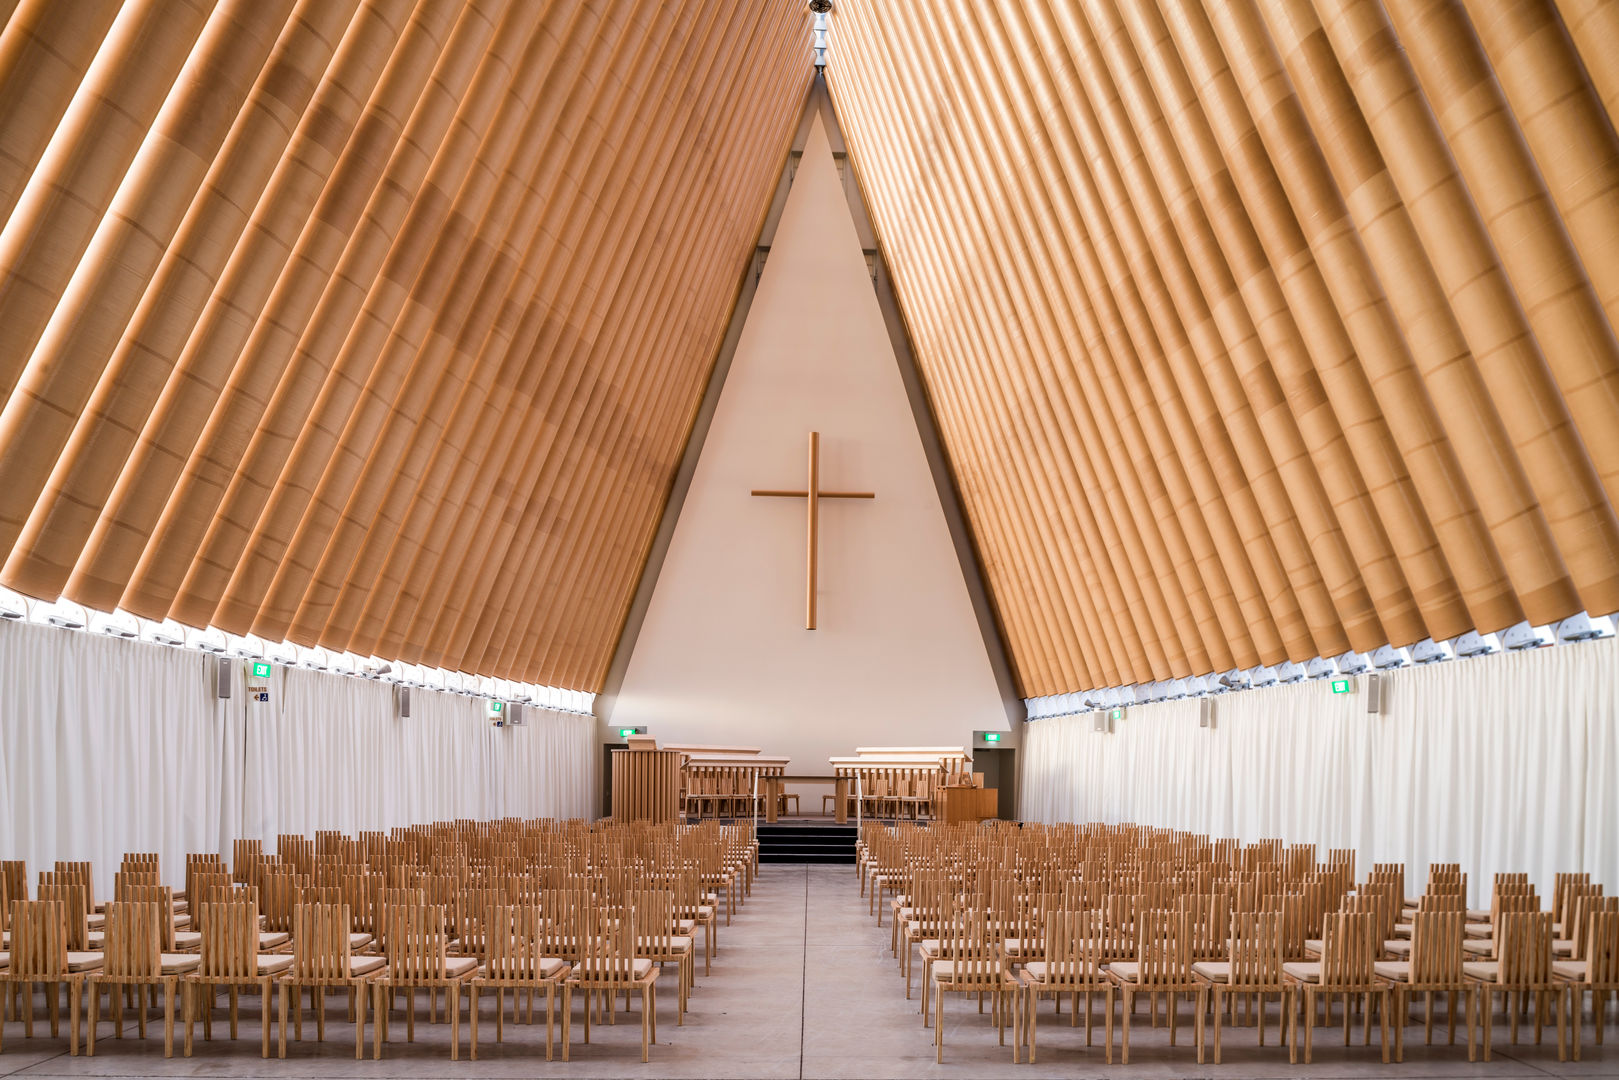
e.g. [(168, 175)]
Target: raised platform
[(805, 842)]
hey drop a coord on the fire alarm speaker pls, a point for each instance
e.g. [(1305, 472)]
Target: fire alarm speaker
[(404, 702), (222, 678)]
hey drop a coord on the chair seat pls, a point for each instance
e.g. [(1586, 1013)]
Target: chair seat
[(1478, 930), (1487, 970), (950, 970), (1570, 969), (1478, 915), (84, 961), (275, 964), (677, 943), (548, 967), (1562, 947), (1128, 970), (180, 963), (587, 971), (360, 941), (1403, 929), (1213, 970), (1397, 946), (1398, 970), (5, 960), (273, 939), (1302, 970), (187, 939), (182, 922), (1479, 948), (1315, 945), (1040, 971), (95, 922), (365, 965), (1020, 946)]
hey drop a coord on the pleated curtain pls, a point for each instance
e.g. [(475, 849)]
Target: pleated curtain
[(109, 746), (1501, 763)]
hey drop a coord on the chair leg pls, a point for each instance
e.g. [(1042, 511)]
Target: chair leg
[(472, 1007), (567, 1017), (452, 995), (358, 994), (168, 1017)]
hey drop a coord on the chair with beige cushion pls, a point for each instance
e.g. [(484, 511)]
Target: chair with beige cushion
[(1252, 968), (418, 958), (1350, 941), (40, 954), (1076, 948), (1522, 965), (229, 958), (514, 960), (1597, 973), (134, 958), (974, 964), (608, 966), (1162, 965), (1434, 967), (323, 958)]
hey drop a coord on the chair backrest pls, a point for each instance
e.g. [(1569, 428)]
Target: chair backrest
[(39, 942), (1580, 899), (1163, 947), (230, 935), (133, 941), (969, 941), (278, 893), (418, 941), (1350, 944), (1436, 947), (70, 894), (512, 935), (321, 942), (1523, 948), (160, 897), (606, 946), (15, 872), (1602, 946), (84, 873), (1256, 948)]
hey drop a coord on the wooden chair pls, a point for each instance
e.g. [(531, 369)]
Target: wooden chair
[(1596, 974), (1162, 965), (1435, 967), (608, 965), (417, 949), (974, 964), (229, 957), (1075, 952), (514, 961), (1522, 965), (40, 954), (134, 957), (1253, 968), (323, 959), (657, 941), (1351, 941)]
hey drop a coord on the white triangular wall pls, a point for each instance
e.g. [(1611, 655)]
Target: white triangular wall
[(722, 656)]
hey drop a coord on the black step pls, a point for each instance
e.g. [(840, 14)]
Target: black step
[(807, 843)]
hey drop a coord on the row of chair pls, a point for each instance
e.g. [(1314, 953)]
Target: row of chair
[(1024, 913), (525, 907)]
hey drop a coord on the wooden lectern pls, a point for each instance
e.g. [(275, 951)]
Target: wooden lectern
[(646, 784)]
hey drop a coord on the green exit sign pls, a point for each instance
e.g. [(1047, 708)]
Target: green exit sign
[(992, 736), (1342, 686), (1116, 714), (497, 707), (261, 669), (626, 732)]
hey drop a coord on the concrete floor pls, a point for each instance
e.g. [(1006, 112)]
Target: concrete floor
[(803, 986)]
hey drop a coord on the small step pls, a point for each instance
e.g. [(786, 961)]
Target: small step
[(807, 843)]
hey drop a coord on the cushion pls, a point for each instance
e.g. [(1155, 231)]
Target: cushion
[(1478, 948), (187, 939), (273, 939), (1478, 930), (1488, 970), (457, 966), (1563, 947), (1040, 970), (1398, 946), (1403, 929), (946, 969), (1569, 969), (360, 965), (95, 922), (549, 966), (1128, 970), (5, 960), (1021, 945), (274, 964), (642, 967), (676, 943), (1213, 970), (179, 963), (1302, 970), (1315, 945), (83, 961), (685, 926), (360, 941), (1398, 970), (1478, 915), (182, 922)]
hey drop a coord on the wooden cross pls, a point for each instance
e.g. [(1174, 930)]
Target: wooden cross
[(813, 494)]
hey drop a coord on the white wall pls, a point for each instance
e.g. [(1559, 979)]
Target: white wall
[(109, 746), (1501, 763), (723, 655)]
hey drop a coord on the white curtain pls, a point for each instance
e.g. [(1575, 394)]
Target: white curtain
[(109, 746), (1501, 763)]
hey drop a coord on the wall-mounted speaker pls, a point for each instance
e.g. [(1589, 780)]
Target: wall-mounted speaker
[(402, 693), (222, 677), (1374, 694), (1102, 723), (514, 714), (1205, 712)]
